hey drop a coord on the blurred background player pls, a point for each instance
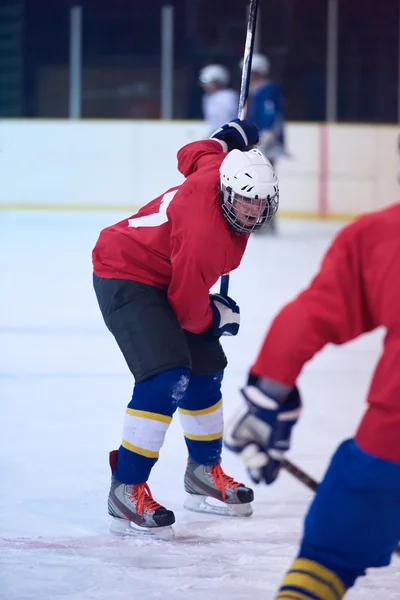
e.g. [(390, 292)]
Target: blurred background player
[(152, 277), (265, 109), (353, 523), (220, 103)]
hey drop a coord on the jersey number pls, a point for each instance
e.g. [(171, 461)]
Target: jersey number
[(157, 218)]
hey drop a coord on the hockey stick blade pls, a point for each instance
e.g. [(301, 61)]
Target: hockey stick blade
[(309, 482)]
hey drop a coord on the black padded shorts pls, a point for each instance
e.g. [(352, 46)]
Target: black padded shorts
[(148, 333)]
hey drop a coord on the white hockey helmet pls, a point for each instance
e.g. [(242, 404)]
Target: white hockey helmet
[(260, 64), (214, 74), (249, 190)]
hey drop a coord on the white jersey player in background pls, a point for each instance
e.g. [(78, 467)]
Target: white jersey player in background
[(220, 103)]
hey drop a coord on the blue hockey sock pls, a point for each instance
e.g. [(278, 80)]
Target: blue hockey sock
[(201, 416), (147, 419)]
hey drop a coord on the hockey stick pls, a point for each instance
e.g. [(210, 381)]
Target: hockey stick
[(244, 91), (309, 482)]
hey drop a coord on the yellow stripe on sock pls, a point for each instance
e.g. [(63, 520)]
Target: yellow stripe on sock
[(292, 596), (310, 577), (204, 438), (142, 451), (144, 414), (302, 564), (306, 583), (203, 411)]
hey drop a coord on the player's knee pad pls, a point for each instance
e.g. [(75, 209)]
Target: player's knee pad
[(203, 391), (161, 393), (354, 521)]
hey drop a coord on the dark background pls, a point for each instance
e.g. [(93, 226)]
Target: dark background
[(121, 55)]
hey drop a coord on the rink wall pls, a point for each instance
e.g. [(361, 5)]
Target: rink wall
[(331, 171)]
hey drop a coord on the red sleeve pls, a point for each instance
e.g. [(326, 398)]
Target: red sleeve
[(196, 155), (331, 310)]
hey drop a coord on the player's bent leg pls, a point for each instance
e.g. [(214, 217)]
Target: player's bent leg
[(156, 351), (147, 419), (353, 524), (201, 417)]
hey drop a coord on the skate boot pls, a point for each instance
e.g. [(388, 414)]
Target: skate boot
[(135, 512), (210, 482)]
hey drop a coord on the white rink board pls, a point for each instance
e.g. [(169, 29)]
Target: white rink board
[(101, 164)]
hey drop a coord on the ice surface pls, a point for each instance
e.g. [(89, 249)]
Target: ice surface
[(64, 388)]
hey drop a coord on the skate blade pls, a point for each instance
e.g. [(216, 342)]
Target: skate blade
[(202, 504), (125, 528)]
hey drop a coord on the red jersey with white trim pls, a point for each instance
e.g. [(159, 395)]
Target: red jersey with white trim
[(356, 290), (179, 241)]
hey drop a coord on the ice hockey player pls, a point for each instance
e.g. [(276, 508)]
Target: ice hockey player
[(220, 103), (353, 523), (265, 109), (152, 276)]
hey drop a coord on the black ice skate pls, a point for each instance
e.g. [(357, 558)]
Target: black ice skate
[(210, 482), (135, 511)]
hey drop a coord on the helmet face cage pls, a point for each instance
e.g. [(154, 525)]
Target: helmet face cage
[(246, 215)]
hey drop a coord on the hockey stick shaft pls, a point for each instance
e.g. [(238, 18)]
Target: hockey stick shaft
[(309, 482), (244, 91), (247, 58)]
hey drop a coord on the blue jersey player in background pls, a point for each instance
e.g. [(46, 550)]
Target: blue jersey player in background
[(265, 109)]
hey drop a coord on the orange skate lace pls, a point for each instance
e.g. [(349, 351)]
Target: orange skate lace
[(222, 480), (141, 494)]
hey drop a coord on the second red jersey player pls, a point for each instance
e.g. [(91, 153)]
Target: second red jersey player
[(355, 291), (353, 523)]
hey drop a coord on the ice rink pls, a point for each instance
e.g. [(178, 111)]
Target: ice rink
[(64, 388)]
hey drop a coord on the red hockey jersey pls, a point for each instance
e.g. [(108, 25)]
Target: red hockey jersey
[(356, 290), (180, 241)]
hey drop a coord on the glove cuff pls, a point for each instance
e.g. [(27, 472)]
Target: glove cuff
[(222, 142), (271, 388)]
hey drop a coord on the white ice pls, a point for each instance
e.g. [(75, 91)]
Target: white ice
[(64, 388)]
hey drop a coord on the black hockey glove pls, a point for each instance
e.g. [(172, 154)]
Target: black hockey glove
[(239, 135), (260, 432)]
